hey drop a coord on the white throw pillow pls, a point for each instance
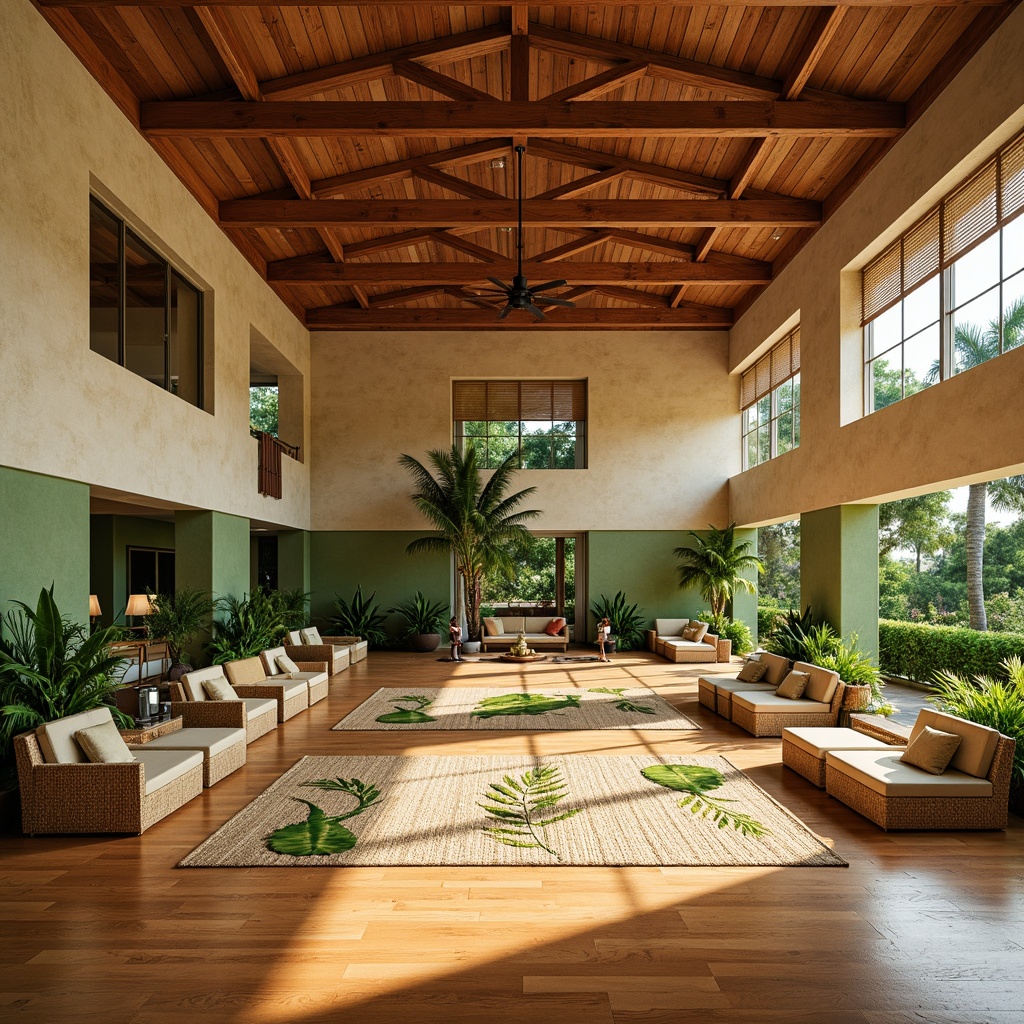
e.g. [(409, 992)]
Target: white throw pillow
[(103, 744), (311, 636), (285, 664)]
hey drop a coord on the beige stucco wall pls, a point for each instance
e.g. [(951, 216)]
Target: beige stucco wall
[(67, 411), (968, 428), (663, 430)]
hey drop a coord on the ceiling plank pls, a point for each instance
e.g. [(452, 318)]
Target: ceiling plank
[(577, 272), (465, 246), (403, 295), (656, 213), (598, 85), (588, 241), (458, 185), (687, 316), (633, 295), (401, 240), (458, 157), (430, 79), (825, 26), (594, 119), (476, 43)]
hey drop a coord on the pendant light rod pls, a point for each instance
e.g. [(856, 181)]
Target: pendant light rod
[(520, 150)]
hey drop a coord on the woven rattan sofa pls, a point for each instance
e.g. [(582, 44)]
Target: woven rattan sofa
[(767, 714), (501, 633), (248, 677), (666, 639), (337, 652), (256, 715), (972, 793), (223, 750), (715, 692), (62, 792)]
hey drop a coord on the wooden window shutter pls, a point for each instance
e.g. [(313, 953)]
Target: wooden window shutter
[(775, 367), (510, 400)]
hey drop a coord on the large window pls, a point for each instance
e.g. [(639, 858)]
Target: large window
[(542, 421), (142, 313), (770, 399), (948, 294)]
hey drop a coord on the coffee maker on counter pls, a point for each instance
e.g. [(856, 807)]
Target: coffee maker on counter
[(149, 703)]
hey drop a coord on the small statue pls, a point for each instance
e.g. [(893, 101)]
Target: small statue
[(519, 648)]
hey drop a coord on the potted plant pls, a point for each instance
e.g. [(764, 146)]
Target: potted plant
[(359, 617), (424, 621), (734, 636), (475, 521), (249, 625), (714, 565), (627, 623), (178, 619), (51, 668)]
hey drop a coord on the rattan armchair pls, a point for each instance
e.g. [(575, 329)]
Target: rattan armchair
[(249, 679), (256, 715)]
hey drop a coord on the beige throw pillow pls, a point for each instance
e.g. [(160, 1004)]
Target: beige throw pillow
[(931, 750), (752, 672), (697, 630), (103, 744), (219, 689), (285, 664), (311, 636), (793, 685), (493, 627)]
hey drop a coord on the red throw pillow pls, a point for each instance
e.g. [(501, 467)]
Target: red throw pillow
[(554, 627)]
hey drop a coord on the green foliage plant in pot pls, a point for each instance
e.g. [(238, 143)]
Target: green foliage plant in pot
[(789, 637), (476, 521), (425, 620), (628, 625), (359, 617), (178, 619), (734, 630), (246, 626), (292, 607), (715, 564), (50, 667), (825, 647)]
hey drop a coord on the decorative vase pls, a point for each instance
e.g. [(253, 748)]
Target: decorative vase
[(471, 646), (426, 642), (177, 670)]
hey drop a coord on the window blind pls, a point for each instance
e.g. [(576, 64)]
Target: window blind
[(775, 367), (962, 219), (512, 400)]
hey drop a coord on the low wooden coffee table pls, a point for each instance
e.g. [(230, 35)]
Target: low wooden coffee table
[(145, 733)]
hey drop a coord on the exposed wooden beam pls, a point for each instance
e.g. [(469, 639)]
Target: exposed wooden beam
[(574, 188), (560, 252), (687, 317), (652, 243), (656, 213), (598, 85), (400, 240), (594, 119), (101, 4), (748, 167), (826, 24), (476, 43), (463, 245), (461, 156), (519, 68), (595, 160), (457, 185), (361, 297), (430, 79), (403, 295), (641, 298), (459, 273)]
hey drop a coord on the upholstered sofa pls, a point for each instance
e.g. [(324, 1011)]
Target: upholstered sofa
[(972, 793), (499, 633), (248, 678), (337, 651), (715, 692), (256, 715), (667, 640), (62, 791)]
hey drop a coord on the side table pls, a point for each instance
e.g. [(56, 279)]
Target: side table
[(145, 733)]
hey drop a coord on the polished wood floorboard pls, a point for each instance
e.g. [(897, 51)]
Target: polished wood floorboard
[(922, 927)]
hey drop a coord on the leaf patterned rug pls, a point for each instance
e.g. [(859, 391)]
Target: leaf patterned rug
[(571, 809), (557, 708)]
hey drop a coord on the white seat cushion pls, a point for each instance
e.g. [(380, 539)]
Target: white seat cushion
[(884, 773), (309, 678), (817, 740), (736, 686), (256, 706), (57, 738), (770, 702), (164, 766), (209, 741), (689, 645)]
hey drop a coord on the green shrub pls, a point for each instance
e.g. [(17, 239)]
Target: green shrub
[(922, 652), (628, 625), (825, 647), (360, 617), (768, 616), (247, 626), (730, 629), (789, 638)]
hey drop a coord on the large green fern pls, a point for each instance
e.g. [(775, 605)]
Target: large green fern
[(518, 807), (695, 781)]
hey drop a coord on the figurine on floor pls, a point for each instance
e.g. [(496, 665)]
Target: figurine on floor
[(604, 631), (455, 638)]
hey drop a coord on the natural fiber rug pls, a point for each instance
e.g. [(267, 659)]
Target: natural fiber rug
[(558, 708), (570, 809)]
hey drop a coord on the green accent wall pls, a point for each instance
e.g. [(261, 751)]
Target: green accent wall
[(744, 605), (109, 539), (212, 552), (293, 560), (839, 569), (45, 531), (377, 561)]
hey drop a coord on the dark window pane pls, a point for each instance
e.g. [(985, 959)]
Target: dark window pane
[(104, 282), (144, 326), (184, 348)]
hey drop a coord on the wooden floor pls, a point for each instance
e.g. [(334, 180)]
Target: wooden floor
[(920, 927)]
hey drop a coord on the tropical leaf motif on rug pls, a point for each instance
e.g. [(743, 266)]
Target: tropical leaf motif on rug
[(695, 781), (623, 704), (518, 807), (321, 833), (524, 704), (408, 716)]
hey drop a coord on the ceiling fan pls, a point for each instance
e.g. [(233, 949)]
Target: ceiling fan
[(519, 295)]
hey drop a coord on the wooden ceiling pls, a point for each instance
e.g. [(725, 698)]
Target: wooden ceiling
[(677, 154)]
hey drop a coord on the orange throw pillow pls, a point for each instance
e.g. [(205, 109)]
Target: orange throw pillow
[(554, 627)]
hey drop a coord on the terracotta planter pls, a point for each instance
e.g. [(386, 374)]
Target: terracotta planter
[(425, 642)]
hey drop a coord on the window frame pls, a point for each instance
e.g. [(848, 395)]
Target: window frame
[(791, 379)]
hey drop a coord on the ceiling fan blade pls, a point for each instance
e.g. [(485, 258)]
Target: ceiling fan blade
[(505, 312), (540, 300), (501, 284), (545, 287), (535, 312)]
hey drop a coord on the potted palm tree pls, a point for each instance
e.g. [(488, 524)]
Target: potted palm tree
[(714, 566), (424, 621), (178, 619), (475, 521)]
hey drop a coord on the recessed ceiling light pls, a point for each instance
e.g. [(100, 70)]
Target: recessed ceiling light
[(498, 163)]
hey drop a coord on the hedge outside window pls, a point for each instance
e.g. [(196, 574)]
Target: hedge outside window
[(770, 399), (948, 294), (543, 422), (143, 314)]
